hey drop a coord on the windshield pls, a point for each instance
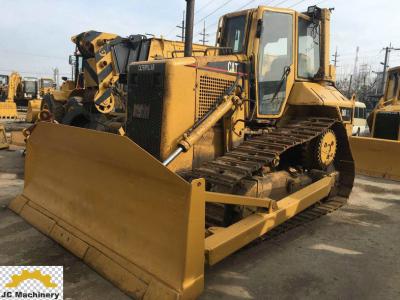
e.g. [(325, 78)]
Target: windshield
[(309, 49), (234, 33), (30, 87), (393, 85), (3, 79), (47, 83), (275, 57)]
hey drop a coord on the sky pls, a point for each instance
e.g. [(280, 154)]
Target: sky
[(35, 36)]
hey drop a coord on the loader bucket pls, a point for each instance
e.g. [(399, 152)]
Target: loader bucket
[(33, 110), (376, 157), (8, 110), (112, 204)]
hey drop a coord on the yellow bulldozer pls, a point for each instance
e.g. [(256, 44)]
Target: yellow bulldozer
[(97, 96), (219, 150), (377, 155)]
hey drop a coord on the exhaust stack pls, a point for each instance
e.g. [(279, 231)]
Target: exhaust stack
[(189, 27)]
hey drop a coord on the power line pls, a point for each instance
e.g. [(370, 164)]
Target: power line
[(214, 11), (280, 3), (204, 6), (298, 3), (215, 23), (33, 54), (31, 72), (200, 9)]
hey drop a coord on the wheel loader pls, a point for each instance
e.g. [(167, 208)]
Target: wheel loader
[(219, 150), (97, 98), (377, 155)]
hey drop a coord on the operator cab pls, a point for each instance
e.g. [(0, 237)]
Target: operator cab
[(30, 87), (288, 47)]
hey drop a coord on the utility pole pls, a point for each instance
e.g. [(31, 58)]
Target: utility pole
[(182, 27), (349, 91), (355, 79), (56, 76), (386, 66), (335, 59), (204, 34)]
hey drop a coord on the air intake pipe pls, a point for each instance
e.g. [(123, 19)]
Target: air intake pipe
[(189, 27)]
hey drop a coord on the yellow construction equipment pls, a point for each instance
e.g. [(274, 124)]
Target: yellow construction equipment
[(8, 107), (3, 138), (46, 86), (3, 86), (377, 155), (97, 98), (219, 150), (18, 92)]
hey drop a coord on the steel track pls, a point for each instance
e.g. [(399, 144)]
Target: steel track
[(265, 151)]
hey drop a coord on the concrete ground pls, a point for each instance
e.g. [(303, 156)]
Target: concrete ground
[(352, 253)]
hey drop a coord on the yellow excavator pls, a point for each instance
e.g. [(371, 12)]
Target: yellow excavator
[(17, 92), (219, 150), (11, 89), (96, 98), (377, 155)]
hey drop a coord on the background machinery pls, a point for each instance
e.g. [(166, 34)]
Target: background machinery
[(45, 86), (22, 93), (378, 155), (97, 97), (3, 86), (219, 150), (8, 105)]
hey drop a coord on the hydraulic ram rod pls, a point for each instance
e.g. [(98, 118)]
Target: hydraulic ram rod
[(191, 137)]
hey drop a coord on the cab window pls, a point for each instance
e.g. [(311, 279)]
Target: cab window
[(47, 83), (360, 113), (393, 85), (274, 61), (308, 49), (234, 33)]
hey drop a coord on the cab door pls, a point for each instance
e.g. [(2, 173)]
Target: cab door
[(275, 61)]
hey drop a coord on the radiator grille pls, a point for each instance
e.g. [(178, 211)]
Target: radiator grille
[(387, 125), (145, 106), (211, 90)]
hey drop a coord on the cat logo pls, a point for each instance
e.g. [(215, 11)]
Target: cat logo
[(146, 67), (233, 67)]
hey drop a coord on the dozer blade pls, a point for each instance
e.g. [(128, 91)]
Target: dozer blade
[(113, 205), (376, 157), (8, 110), (33, 110)]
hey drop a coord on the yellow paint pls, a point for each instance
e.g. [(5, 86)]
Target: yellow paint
[(379, 157), (16, 280)]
